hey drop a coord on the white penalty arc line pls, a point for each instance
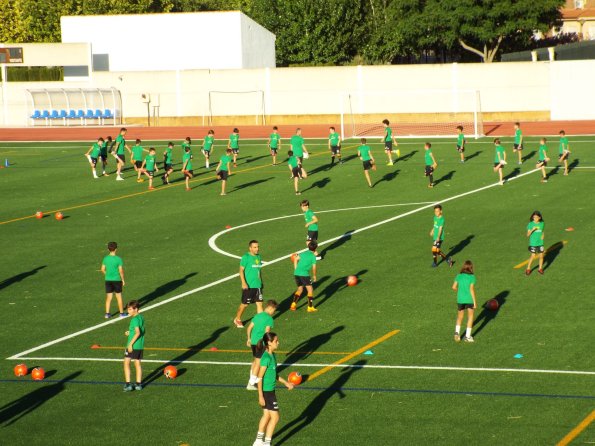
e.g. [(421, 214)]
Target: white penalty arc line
[(360, 366), (213, 239), (279, 259)]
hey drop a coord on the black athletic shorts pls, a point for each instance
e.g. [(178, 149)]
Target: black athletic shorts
[(367, 164), (150, 173), (103, 157), (429, 170), (303, 280), (296, 172), (251, 295), (207, 153), (270, 401), (498, 165), (542, 163), (136, 354), (223, 174), (460, 148), (112, 286), (388, 146), (236, 151), (273, 150), (256, 353), (564, 156), (312, 236), (437, 243), (94, 161), (300, 160), (536, 249), (138, 164), (122, 158), (167, 166), (336, 150), (517, 147), (464, 306)]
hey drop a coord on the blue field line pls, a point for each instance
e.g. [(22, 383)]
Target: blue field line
[(316, 389)]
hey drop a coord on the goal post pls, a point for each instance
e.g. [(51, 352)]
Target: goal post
[(247, 104), (412, 113)]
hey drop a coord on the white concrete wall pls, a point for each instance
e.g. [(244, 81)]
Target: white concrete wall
[(560, 88), (183, 41)]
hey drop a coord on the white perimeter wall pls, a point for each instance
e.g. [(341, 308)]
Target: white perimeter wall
[(183, 41), (561, 88)]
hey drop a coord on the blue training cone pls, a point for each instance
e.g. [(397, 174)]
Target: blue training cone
[(6, 164), (368, 352)]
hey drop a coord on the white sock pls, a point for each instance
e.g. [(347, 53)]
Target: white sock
[(267, 441), (253, 379), (457, 328), (468, 332)]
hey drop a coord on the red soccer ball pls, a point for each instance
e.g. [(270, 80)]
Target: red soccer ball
[(170, 372), (59, 216), (352, 281), (37, 374), (492, 304), (20, 370), (39, 214), (295, 378)]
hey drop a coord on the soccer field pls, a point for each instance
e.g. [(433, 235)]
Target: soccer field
[(528, 378)]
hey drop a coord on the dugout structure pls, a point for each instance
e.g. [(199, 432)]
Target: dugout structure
[(412, 113)]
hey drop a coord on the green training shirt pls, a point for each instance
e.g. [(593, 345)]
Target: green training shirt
[(428, 157), (234, 141), (112, 265), (95, 150), (184, 145), (499, 150), (465, 281), (150, 162), (306, 261), (252, 265), (225, 160), (460, 140), (535, 237), (168, 155), (518, 136), (187, 158), (120, 145), (137, 321), (104, 148), (293, 162), (438, 222), (261, 321), (137, 153), (563, 145), (388, 134), (334, 139), (275, 138), (364, 152), (208, 143), (269, 379), (542, 152), (297, 145), (309, 216)]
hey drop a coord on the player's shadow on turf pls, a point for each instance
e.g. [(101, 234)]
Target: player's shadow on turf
[(473, 155), (307, 347), (459, 247), (349, 158), (256, 158), (528, 156), (186, 355), (334, 287), (553, 172), (322, 168), (446, 177), (551, 253), (316, 406), (387, 177), (337, 243), (251, 183), (487, 315), (164, 289), (318, 184), (573, 164), (512, 174), (19, 277), (407, 156), (15, 410)]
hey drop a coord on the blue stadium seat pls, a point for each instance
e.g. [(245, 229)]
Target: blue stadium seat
[(80, 114), (107, 114), (63, 114), (36, 114), (72, 114), (55, 114), (45, 114)]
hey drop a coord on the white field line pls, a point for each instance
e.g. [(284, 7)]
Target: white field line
[(279, 259), (362, 366)]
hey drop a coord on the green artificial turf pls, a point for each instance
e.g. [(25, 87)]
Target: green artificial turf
[(50, 287)]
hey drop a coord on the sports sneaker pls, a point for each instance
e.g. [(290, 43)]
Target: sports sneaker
[(251, 387), (188, 188), (235, 164), (258, 442), (450, 261), (293, 306), (141, 180), (312, 310), (544, 180), (527, 272), (398, 153), (431, 185), (107, 315), (123, 314), (128, 388), (434, 265), (540, 271), (138, 387), (151, 188), (457, 337), (298, 193), (390, 163), (119, 178), (468, 339), (95, 176), (238, 323)]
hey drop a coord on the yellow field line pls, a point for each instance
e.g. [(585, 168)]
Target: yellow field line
[(551, 248), (352, 355), (222, 350), (577, 430)]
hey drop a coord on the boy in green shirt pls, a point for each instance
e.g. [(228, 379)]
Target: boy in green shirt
[(518, 141), (113, 269), (207, 147), (168, 162), (388, 140), (311, 222), (365, 154), (187, 167), (107, 145), (297, 172), (250, 266), (274, 144), (224, 170), (464, 285), (564, 151), (437, 234), (120, 145), (499, 161), (334, 145), (234, 145), (149, 166), (261, 323), (298, 147), (93, 155), (186, 144), (302, 265), (461, 143), (134, 346), (535, 232), (430, 162), (137, 159), (543, 159)]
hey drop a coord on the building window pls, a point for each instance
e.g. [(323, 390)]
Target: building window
[(579, 4)]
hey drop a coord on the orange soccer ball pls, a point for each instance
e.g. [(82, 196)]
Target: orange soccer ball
[(352, 281), (293, 256), (170, 372), (20, 370), (39, 214), (59, 216), (37, 374), (492, 304), (295, 378)]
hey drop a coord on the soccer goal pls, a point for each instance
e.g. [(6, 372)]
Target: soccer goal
[(412, 113), (235, 104)]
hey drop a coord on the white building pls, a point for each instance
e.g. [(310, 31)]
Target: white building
[(169, 42)]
